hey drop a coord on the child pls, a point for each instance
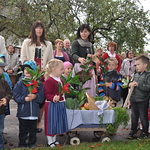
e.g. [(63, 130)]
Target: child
[(28, 107), (55, 110), (112, 81), (5, 96), (6, 76), (67, 68), (140, 97)]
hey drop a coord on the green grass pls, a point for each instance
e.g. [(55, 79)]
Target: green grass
[(113, 145)]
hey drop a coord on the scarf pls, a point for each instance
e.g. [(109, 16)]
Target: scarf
[(84, 43)]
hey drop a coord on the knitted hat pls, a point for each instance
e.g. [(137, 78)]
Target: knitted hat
[(2, 64), (31, 64), (66, 64)]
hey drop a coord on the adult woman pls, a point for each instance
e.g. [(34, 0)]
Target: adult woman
[(81, 47), (127, 70), (37, 48), (59, 53), (112, 46)]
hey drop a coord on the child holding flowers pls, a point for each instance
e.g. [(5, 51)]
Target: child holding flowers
[(55, 110), (28, 94)]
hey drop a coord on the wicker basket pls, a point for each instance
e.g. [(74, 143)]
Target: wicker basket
[(91, 102)]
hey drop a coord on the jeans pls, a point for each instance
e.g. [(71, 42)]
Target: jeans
[(2, 116), (27, 127), (140, 110)]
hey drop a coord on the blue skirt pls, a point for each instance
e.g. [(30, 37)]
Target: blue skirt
[(55, 118)]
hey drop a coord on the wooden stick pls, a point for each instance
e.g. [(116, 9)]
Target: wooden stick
[(128, 97)]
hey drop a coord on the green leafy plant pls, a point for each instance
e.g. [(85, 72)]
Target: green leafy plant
[(33, 82), (78, 80), (121, 118)]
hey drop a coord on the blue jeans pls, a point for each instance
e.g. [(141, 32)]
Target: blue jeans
[(2, 116), (140, 110)]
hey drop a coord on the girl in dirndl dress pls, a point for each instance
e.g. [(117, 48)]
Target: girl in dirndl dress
[(55, 109)]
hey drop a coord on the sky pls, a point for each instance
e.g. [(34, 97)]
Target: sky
[(146, 4)]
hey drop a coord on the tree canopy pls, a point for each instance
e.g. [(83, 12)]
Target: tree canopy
[(121, 21)]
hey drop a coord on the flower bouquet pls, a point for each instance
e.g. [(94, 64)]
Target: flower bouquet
[(33, 83)]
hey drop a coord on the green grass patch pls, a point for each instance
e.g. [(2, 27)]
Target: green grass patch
[(113, 145)]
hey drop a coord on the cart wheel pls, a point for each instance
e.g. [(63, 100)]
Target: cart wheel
[(98, 134), (105, 139), (74, 140)]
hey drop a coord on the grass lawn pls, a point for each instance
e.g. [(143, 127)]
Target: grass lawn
[(113, 145)]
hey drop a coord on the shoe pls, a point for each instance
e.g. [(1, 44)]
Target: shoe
[(33, 146), (56, 143), (51, 145), (132, 135), (38, 130), (143, 136), (4, 140)]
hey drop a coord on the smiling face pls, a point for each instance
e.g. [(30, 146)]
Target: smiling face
[(112, 65), (59, 45), (130, 54), (66, 44), (26, 73), (39, 31), (68, 70), (84, 34)]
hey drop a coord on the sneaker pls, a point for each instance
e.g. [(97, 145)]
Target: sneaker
[(51, 145), (143, 136), (132, 135)]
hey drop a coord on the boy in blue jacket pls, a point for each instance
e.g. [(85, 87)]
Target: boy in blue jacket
[(28, 107)]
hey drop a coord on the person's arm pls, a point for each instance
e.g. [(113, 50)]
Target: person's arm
[(100, 87), (122, 70), (20, 92), (2, 45), (50, 51), (17, 64), (117, 85), (40, 94), (8, 91), (48, 88), (145, 86), (66, 57), (75, 50), (24, 52)]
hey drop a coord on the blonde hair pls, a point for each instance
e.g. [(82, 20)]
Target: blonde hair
[(113, 59), (53, 63), (98, 50), (58, 41)]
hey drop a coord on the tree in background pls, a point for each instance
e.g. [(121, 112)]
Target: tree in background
[(122, 21)]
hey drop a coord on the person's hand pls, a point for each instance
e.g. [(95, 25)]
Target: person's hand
[(56, 98), (3, 101), (82, 60), (108, 84), (30, 97), (133, 84)]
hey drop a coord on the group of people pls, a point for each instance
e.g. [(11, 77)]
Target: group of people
[(38, 51)]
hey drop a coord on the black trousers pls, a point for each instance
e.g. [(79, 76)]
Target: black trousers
[(27, 127), (124, 94), (140, 110)]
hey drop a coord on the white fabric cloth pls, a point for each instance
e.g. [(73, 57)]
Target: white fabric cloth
[(102, 105), (80, 117)]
